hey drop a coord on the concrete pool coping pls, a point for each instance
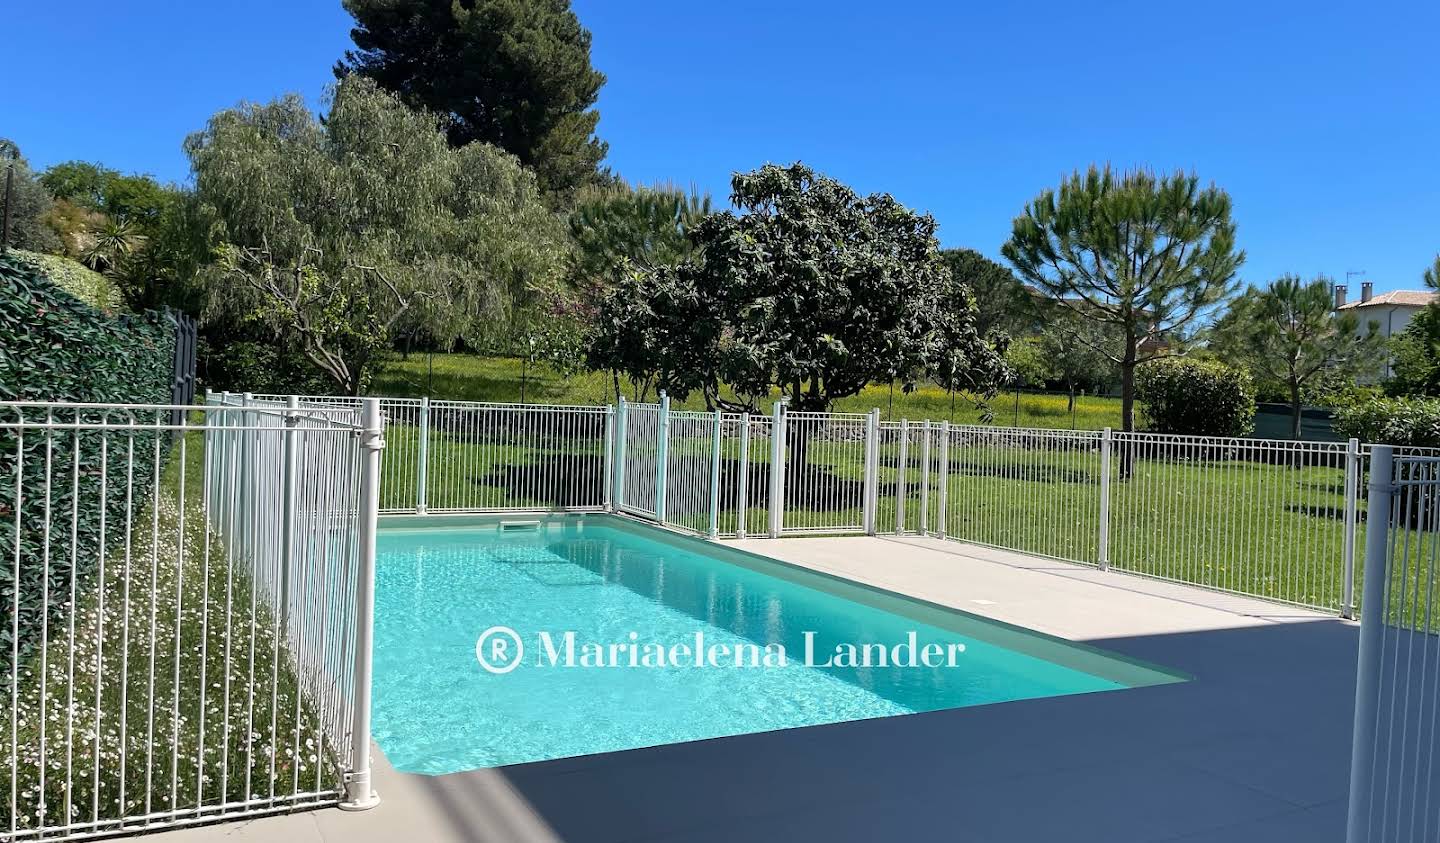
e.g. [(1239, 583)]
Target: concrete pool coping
[(1256, 747)]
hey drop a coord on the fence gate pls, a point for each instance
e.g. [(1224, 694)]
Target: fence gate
[(1394, 777)]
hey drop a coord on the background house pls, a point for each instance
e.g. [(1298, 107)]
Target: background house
[(1388, 313)]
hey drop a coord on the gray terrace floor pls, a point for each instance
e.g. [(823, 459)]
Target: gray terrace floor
[(1256, 748)]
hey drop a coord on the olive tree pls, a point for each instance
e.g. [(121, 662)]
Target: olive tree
[(1148, 254), (336, 233)]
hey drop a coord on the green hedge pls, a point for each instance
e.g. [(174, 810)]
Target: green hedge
[(1391, 421), (1195, 397), (54, 347)]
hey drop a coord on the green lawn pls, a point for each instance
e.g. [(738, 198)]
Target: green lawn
[(189, 727), (467, 377), (1234, 524)]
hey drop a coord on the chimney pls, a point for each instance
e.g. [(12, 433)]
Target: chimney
[(1367, 289), (1339, 296)]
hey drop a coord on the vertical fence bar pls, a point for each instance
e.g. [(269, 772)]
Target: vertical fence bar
[(1102, 549), (925, 480), (1352, 508), (715, 478), (607, 488), (742, 493), (777, 469), (290, 456), (662, 456), (943, 493), (247, 474), (901, 476), (422, 468), (359, 796), (618, 495), (872, 473), (1372, 619)]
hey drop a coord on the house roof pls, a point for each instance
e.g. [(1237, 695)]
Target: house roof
[(1405, 298)]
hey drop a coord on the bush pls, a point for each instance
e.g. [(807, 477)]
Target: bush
[(1195, 398), (1391, 421), (53, 347), (75, 278)]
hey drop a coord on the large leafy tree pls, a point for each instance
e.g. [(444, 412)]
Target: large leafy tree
[(338, 233), (135, 199), (1001, 302), (1289, 334), (817, 291), (513, 73), (1149, 254)]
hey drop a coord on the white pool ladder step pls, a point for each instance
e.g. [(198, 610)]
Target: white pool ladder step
[(519, 526)]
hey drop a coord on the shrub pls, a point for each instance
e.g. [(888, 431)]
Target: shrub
[(53, 347), (1391, 421), (75, 278), (1195, 398)]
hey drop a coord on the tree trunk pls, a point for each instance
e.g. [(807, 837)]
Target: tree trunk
[(1127, 396), (1127, 411), (1294, 410)]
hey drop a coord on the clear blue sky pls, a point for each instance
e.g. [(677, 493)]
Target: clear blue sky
[(1322, 121)]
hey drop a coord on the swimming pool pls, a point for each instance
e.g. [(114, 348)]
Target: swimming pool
[(845, 651)]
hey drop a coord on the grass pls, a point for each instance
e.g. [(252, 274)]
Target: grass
[(185, 728), (1212, 519), (468, 377)]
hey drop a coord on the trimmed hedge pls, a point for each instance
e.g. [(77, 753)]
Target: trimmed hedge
[(76, 278), (54, 347), (1391, 421), (1195, 397)]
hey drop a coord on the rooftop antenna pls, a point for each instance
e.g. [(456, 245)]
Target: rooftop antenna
[(1350, 273)]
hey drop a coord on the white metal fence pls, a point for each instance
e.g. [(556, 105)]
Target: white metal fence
[(1276, 519), (1394, 779), (188, 594)]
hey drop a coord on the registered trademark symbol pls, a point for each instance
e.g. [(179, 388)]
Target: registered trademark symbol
[(499, 649)]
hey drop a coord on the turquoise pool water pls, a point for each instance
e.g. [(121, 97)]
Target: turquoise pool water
[(437, 711)]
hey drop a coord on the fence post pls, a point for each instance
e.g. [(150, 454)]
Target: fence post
[(715, 479), (607, 487), (662, 457), (943, 493), (872, 478), (901, 476), (777, 469), (1352, 507), (925, 480), (1372, 619), (742, 494), (224, 491), (290, 456), (1103, 549), (207, 466), (422, 469), (358, 794), (618, 495), (247, 476)]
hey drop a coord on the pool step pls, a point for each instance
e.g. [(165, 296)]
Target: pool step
[(519, 526)]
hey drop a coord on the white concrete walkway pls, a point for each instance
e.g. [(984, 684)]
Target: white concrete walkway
[(1256, 748)]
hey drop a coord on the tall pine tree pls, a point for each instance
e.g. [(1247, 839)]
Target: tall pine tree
[(514, 73)]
